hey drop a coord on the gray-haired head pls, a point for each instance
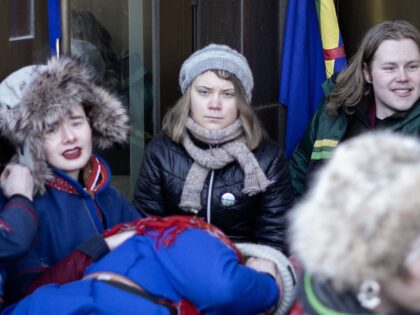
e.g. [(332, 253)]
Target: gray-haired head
[(361, 216)]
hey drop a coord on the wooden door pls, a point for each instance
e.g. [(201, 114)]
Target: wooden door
[(23, 41), (23, 34)]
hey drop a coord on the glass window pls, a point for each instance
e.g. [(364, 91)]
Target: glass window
[(115, 38), (21, 19)]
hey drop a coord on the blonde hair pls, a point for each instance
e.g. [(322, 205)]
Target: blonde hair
[(351, 84), (176, 118)]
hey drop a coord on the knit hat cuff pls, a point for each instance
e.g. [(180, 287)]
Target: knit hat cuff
[(217, 57)]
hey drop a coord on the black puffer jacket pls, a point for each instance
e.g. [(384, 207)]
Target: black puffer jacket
[(260, 218)]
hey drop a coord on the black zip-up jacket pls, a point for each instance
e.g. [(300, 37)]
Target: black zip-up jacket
[(261, 218)]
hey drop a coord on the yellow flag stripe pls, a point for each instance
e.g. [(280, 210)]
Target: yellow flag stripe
[(325, 143), (328, 24), (329, 67)]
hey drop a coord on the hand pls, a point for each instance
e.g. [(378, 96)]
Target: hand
[(17, 179), (262, 265), (117, 239), (268, 266)]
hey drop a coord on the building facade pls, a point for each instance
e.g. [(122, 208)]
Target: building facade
[(141, 45)]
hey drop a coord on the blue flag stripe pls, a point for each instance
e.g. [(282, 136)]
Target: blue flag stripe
[(54, 25), (303, 69)]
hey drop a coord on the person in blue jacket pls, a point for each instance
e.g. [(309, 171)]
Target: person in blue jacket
[(172, 265), (54, 114), (18, 220)]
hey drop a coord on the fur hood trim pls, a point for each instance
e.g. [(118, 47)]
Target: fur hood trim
[(361, 217), (47, 95)]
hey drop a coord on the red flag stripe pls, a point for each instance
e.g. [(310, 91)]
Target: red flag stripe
[(334, 53)]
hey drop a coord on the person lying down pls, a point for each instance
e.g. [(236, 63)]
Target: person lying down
[(171, 265)]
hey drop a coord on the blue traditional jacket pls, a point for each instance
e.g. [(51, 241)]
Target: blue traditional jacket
[(196, 266), (69, 214)]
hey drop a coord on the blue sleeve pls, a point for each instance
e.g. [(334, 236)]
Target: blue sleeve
[(207, 272), (129, 210), (18, 226), (116, 207)]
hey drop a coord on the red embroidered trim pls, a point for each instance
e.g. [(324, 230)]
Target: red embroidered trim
[(23, 206), (97, 179), (185, 307), (62, 185), (4, 226), (166, 229)]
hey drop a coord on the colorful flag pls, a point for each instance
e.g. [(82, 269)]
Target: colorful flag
[(305, 62), (332, 42), (54, 25)]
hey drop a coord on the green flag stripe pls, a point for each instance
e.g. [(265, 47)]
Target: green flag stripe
[(322, 155)]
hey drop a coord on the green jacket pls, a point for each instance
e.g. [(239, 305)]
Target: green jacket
[(324, 133), (317, 297)]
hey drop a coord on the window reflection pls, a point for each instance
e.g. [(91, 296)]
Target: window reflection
[(114, 38), (21, 19)]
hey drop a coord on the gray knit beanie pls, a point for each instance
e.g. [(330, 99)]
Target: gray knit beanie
[(217, 57)]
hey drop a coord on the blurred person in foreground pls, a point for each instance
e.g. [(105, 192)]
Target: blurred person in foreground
[(357, 231)]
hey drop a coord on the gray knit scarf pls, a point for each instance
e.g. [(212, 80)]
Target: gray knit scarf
[(230, 145)]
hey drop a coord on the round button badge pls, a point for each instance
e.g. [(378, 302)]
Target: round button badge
[(228, 199)]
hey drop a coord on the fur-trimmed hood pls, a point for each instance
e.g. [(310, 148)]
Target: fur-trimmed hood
[(361, 216), (36, 97)]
